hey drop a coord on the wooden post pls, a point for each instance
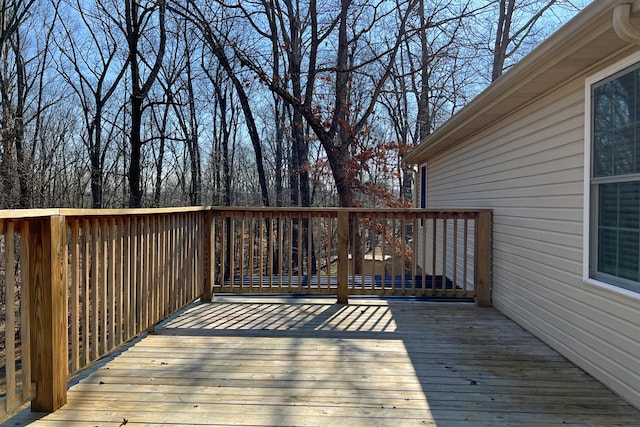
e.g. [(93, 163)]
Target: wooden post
[(343, 257), (207, 290), (47, 274), (482, 282)]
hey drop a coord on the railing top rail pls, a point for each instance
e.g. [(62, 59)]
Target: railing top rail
[(139, 211), (27, 213), (338, 209), (18, 214)]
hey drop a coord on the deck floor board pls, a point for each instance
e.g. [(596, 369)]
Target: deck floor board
[(291, 361)]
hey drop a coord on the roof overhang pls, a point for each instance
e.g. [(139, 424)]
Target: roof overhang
[(575, 49)]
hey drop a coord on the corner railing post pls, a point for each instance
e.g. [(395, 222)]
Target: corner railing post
[(208, 253), (343, 257), (482, 282), (47, 276)]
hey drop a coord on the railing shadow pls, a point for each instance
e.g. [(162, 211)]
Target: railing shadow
[(290, 339), (471, 364), (284, 319), (266, 360)]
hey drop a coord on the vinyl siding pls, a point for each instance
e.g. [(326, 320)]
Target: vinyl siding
[(529, 169)]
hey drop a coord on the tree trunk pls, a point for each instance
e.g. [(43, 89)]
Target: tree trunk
[(7, 162), (96, 181), (135, 143), (280, 114), (22, 157), (139, 89), (226, 136), (95, 151), (502, 37), (157, 198), (195, 192), (248, 113)]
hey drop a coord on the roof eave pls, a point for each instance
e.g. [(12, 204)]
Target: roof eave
[(569, 51)]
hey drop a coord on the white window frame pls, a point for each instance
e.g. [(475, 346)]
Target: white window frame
[(587, 226)]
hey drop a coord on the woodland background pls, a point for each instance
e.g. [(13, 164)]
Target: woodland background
[(149, 103)]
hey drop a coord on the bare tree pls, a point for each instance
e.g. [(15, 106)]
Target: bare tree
[(517, 26), (188, 119), (143, 24), (291, 22), (94, 75), (338, 129), (176, 119), (13, 88), (224, 122), (426, 79)]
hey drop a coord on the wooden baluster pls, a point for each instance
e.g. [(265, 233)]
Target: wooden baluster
[(455, 253), (307, 222), (86, 293), (135, 276), (153, 271), (10, 319), (104, 304), (466, 254), (172, 257), (385, 243), (252, 246), (119, 265), (261, 248), (215, 254), (281, 245), (343, 257), (195, 238), (434, 252), (414, 252), (270, 243), (424, 223), (74, 299), (394, 252), (207, 257), (93, 285), (111, 281), (232, 250), (145, 261), (127, 308), (166, 264), (25, 313)]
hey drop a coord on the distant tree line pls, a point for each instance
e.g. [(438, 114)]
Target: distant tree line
[(131, 103)]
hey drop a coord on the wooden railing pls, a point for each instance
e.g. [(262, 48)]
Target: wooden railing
[(76, 284), (14, 310), (84, 282), (127, 272), (353, 251)]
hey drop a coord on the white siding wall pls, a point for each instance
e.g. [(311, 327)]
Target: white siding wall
[(529, 169)]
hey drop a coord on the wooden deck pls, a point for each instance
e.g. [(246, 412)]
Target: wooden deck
[(274, 361)]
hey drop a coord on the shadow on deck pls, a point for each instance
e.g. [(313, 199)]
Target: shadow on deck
[(283, 361), (429, 282)]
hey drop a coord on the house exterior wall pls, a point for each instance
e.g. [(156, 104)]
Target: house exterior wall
[(529, 168)]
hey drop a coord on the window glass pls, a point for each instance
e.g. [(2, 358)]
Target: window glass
[(603, 154), (616, 179), (618, 230)]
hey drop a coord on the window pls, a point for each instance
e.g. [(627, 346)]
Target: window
[(614, 182)]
